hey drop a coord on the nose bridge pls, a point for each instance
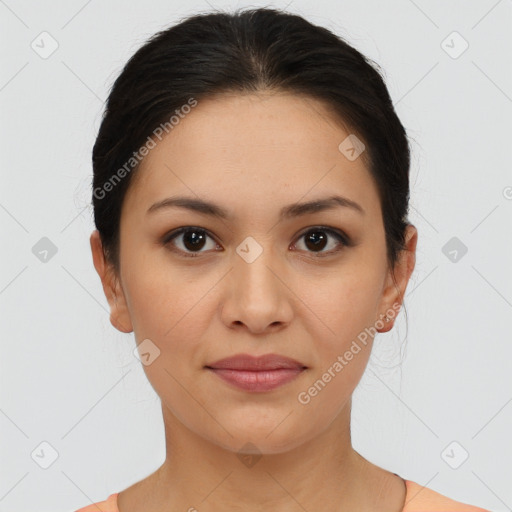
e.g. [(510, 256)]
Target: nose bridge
[(258, 298), (255, 267)]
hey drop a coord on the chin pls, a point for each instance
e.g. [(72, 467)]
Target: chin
[(266, 438)]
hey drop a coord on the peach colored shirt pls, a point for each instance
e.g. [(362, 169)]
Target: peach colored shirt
[(417, 499)]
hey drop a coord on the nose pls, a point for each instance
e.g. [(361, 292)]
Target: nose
[(257, 297)]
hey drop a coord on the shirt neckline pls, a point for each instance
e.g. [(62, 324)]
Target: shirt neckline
[(112, 499)]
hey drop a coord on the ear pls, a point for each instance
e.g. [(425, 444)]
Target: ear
[(393, 292), (119, 313)]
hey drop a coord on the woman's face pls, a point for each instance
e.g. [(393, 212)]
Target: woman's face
[(256, 282)]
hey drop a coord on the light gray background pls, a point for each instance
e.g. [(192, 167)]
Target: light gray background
[(68, 378)]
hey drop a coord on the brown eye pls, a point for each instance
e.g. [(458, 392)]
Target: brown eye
[(190, 241), (317, 239), (193, 240)]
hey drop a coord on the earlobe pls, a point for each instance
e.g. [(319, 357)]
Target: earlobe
[(394, 292), (119, 313)]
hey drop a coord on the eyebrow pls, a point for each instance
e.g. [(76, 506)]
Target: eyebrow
[(290, 211)]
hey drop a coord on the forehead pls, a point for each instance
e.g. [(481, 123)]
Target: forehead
[(253, 149)]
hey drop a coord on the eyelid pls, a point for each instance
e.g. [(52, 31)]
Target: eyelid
[(171, 235), (343, 239), (338, 233)]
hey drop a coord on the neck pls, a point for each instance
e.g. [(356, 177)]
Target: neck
[(199, 474)]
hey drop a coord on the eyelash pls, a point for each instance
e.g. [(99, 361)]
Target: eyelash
[(342, 238)]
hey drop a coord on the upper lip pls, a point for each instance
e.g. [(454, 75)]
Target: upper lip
[(253, 363)]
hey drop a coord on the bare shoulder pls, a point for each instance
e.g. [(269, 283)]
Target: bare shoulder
[(423, 499)]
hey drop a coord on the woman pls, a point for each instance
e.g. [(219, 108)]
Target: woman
[(251, 187)]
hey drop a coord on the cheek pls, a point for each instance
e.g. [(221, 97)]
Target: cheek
[(164, 301), (341, 351), (346, 302), (168, 310), (346, 305), (174, 311)]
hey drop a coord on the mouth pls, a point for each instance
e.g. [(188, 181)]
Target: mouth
[(257, 374)]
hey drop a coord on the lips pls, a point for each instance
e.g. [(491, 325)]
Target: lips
[(263, 373), (251, 363)]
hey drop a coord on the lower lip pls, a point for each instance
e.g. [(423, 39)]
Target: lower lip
[(264, 380)]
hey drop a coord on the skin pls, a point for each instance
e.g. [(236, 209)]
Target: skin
[(253, 154)]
